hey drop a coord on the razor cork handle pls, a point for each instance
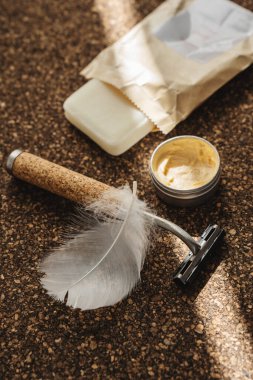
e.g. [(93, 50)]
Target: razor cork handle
[(54, 178)]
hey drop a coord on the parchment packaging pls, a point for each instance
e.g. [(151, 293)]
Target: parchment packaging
[(177, 57)]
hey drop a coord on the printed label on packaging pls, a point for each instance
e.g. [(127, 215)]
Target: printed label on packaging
[(203, 31)]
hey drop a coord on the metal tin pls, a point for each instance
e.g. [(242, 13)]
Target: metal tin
[(185, 198)]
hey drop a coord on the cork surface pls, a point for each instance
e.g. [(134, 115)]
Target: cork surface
[(57, 179), (160, 331)]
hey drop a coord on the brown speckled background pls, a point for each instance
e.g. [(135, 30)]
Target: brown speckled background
[(161, 331)]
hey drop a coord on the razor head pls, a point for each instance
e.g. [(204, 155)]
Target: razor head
[(192, 264)]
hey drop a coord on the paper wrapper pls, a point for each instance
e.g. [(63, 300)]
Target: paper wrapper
[(177, 57)]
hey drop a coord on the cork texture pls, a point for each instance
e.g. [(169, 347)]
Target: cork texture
[(57, 179), (160, 331)]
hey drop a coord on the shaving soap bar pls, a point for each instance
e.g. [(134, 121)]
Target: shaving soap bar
[(105, 115)]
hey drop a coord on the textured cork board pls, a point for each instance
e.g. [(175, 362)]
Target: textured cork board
[(160, 331)]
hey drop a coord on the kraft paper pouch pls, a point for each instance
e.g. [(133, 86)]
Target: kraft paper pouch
[(177, 57)]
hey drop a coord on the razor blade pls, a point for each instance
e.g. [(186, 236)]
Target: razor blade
[(193, 262)]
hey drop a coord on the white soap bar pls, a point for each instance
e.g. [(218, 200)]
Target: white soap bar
[(105, 115)]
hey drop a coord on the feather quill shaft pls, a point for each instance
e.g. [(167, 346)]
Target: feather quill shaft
[(115, 240)]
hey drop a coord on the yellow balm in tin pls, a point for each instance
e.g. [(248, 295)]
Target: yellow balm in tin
[(185, 170)]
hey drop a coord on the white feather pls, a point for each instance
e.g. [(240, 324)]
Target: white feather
[(100, 266)]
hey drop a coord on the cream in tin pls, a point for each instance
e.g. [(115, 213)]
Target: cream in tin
[(185, 170)]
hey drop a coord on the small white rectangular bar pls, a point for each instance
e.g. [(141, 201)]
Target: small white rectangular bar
[(105, 115)]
